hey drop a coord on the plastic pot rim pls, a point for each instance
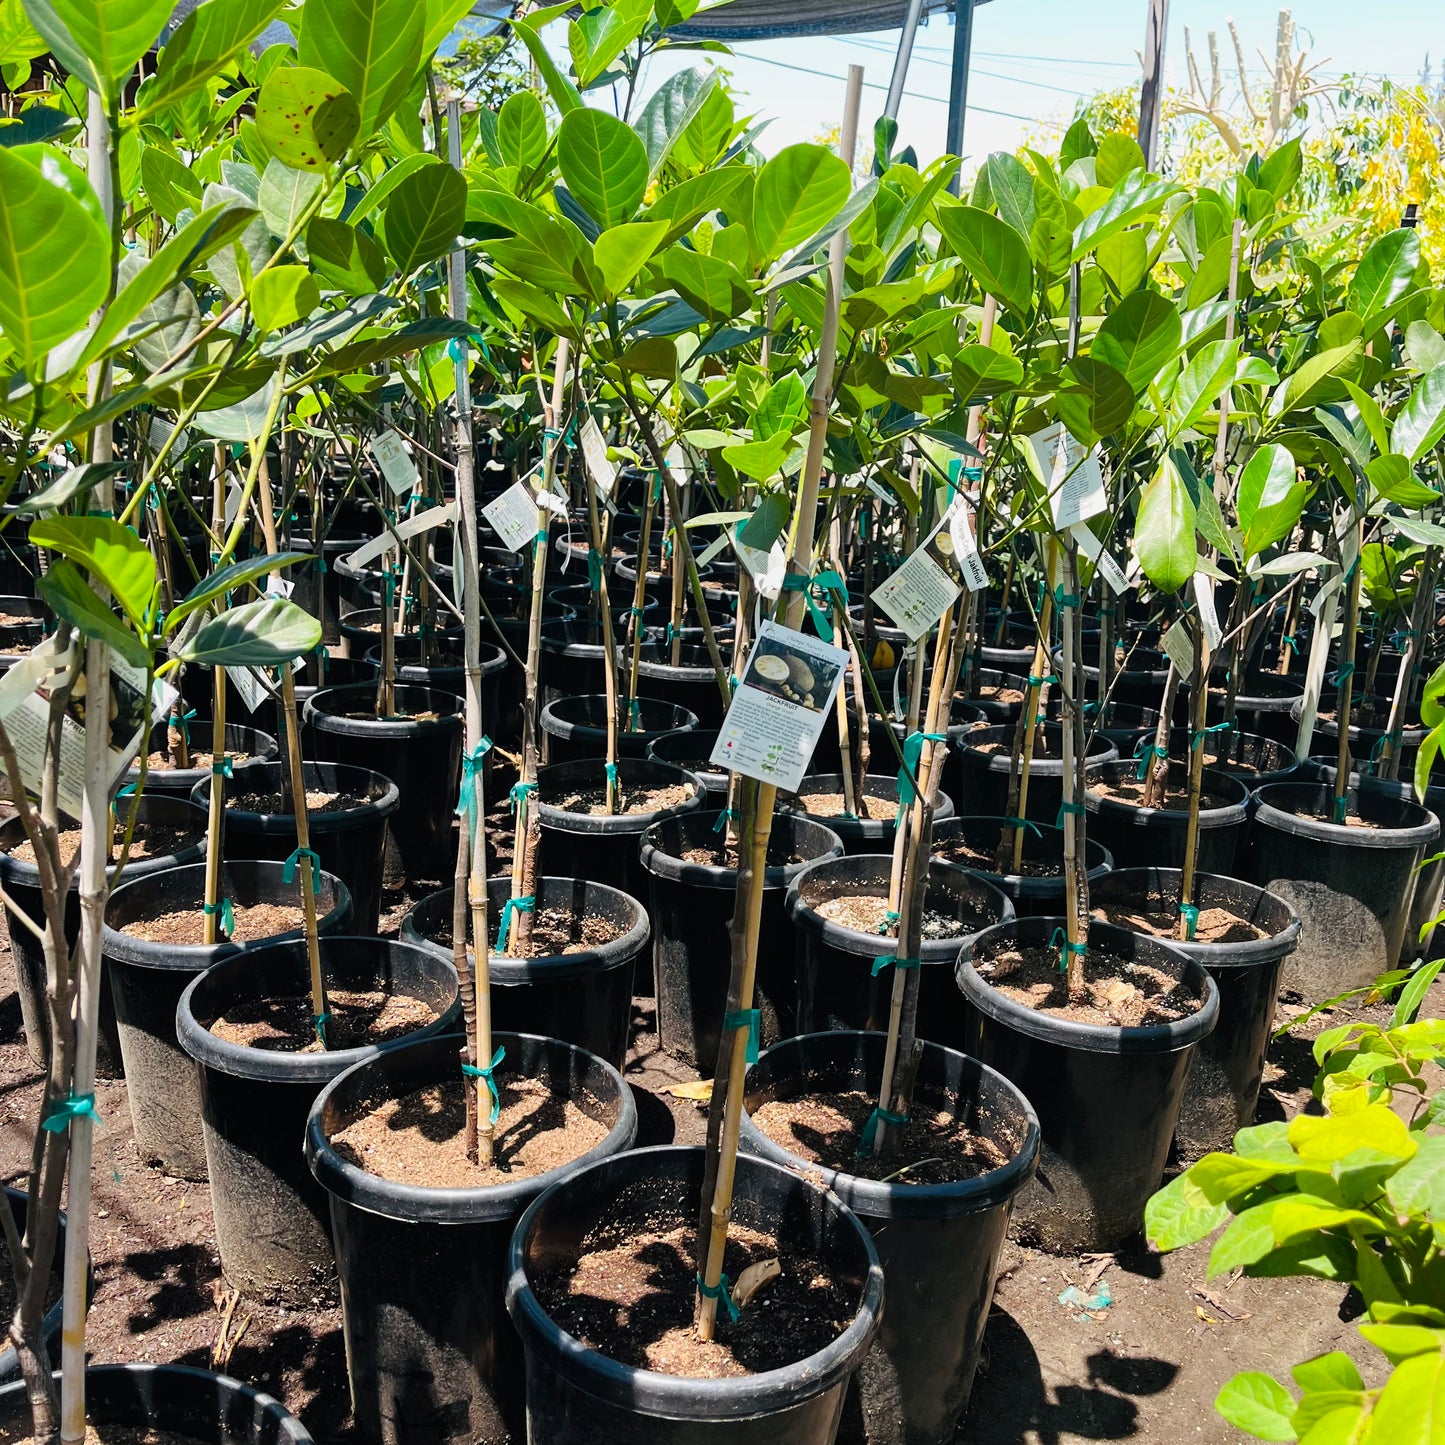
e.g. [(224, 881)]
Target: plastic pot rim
[(712, 875), (969, 743), (436, 700), (554, 721), (1024, 882), (624, 824), (339, 820), (1214, 781), (1282, 820)]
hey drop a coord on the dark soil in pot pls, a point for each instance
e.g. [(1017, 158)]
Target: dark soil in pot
[(247, 1023), (1255, 760), (691, 750), (839, 910), (691, 893), (939, 1226), (1014, 652), (1141, 837), (168, 832), (985, 756), (152, 946), (419, 749), (1367, 728), (689, 683), (347, 810), (1107, 1092), (998, 695), (446, 669), (247, 748), (1242, 938), (574, 728), (1037, 889), (821, 798), (577, 985), (423, 1258), (1352, 883), (1263, 705), (776, 1375)]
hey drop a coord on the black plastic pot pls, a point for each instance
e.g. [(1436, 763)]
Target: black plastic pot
[(583, 998), (248, 748), (985, 774), (690, 683), (148, 980), (837, 988), (939, 1244), (691, 905), (1262, 706), (1140, 680), (1031, 896), (573, 658), (690, 749), (1148, 837), (431, 1356), (1107, 1098), (180, 1402), (859, 835), (1421, 939), (599, 848), (20, 637), (987, 684), (1353, 887), (18, 1202), (420, 750), (1222, 1090), (1014, 653), (448, 676), (1254, 759), (351, 842), (21, 881), (575, 728), (576, 1394), (270, 1214), (1365, 742)]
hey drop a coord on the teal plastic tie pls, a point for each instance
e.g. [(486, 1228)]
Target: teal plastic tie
[(889, 919), (1024, 823), (525, 904), (320, 1021), (1040, 681), (1197, 735), (183, 722), (288, 873), (634, 710), (912, 756), (471, 771), (62, 1111), (126, 791), (1342, 805), (751, 1020), (1066, 599), (1073, 810), (1060, 940), (1292, 642), (227, 913), (518, 795), (870, 1129), (1146, 752), (488, 1076), (656, 487), (594, 569), (1376, 752), (888, 960), (1342, 674), (1190, 914), (226, 768), (611, 770), (723, 819), (719, 1292)]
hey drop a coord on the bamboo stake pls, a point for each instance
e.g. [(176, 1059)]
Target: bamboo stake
[(639, 596), (1388, 763), (758, 821), (1198, 710), (215, 804), (1347, 678)]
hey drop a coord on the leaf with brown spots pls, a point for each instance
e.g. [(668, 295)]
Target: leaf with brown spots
[(306, 119)]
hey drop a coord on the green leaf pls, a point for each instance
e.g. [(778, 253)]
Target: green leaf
[(1118, 154), (284, 194), (1271, 498), (423, 215), (1329, 1140), (71, 597), (110, 37), (1392, 477), (268, 633), (1201, 384), (1411, 1408), (346, 257), (537, 306), (1386, 273), (1164, 534), (671, 109), (76, 482), (782, 410), (685, 204), (238, 574), (601, 34), (1180, 1214), (522, 130), (283, 295), (1012, 187), (1420, 423), (241, 421), (1402, 1342), (1139, 336), (373, 48), (796, 193), (1432, 701), (397, 342), (1334, 1371), (306, 118), (54, 259), (206, 39), (1315, 380), (113, 555), (169, 186), (761, 460), (1417, 1189), (1257, 1404), (603, 163), (1098, 402), (994, 254), (563, 92), (442, 17), (624, 250), (980, 372), (1133, 201), (710, 285)]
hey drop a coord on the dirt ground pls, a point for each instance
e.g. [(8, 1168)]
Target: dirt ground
[(1146, 1368)]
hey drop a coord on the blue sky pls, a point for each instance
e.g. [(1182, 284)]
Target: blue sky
[(1033, 57)]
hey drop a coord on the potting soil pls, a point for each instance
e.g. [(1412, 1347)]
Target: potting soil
[(1119, 992), (356, 1018)]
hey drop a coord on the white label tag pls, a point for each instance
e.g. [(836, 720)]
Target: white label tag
[(395, 461), (965, 548), (594, 456), (712, 549), (234, 494), (1179, 647), (767, 569), (422, 522), (278, 586), (249, 686), (781, 706), (917, 594), (1208, 616), (1324, 609), (880, 491), (1075, 482), (162, 431), (1103, 560)]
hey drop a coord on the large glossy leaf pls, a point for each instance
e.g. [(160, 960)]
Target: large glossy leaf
[(798, 191), (307, 118), (162, 326), (371, 47), (234, 264), (1202, 383), (423, 215), (1012, 186), (1132, 202), (1412, 1404), (1257, 1404), (100, 42), (623, 251), (241, 421), (345, 257), (113, 555), (442, 17), (1096, 401), (1139, 336), (711, 285), (980, 372), (1164, 533), (563, 92), (670, 111), (600, 34), (54, 259), (206, 39), (238, 574), (1420, 423), (282, 296), (71, 597), (1386, 272), (329, 325), (284, 195), (522, 130), (398, 342), (75, 482), (169, 186), (1394, 479), (604, 165), (1317, 380), (685, 204), (537, 306), (1271, 498), (269, 633), (994, 253)]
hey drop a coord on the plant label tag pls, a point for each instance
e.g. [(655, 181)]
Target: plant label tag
[(279, 586), (1179, 647), (782, 704), (928, 583), (765, 568), (395, 461), (251, 688), (1325, 609), (1073, 477), (513, 517), (880, 491), (233, 501), (712, 549), (594, 456), (1208, 615), (965, 548), (1101, 558), (401, 532), (162, 431)]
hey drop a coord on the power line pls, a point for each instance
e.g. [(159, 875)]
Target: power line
[(973, 70)]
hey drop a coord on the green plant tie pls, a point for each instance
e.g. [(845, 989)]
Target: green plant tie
[(656, 487), (1024, 823), (732, 682), (723, 819), (719, 1292), (611, 770), (973, 474), (1400, 636), (751, 1020), (889, 919), (61, 1111), (594, 569), (227, 913), (488, 1076), (1146, 752), (1065, 599), (634, 712), (1040, 681), (1197, 735), (518, 795), (1342, 804), (1342, 673), (888, 960), (912, 756), (183, 724), (541, 538), (1376, 752), (1073, 810), (525, 904), (870, 1129), (1190, 914), (1291, 642), (1060, 940), (321, 1020), (668, 633), (288, 873), (471, 771), (1090, 708), (667, 546), (226, 768), (318, 563)]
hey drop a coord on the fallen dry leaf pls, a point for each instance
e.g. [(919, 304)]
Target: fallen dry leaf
[(753, 1278), (699, 1090), (1214, 1301)]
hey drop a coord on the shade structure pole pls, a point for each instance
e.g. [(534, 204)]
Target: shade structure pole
[(900, 61), (1151, 92), (958, 85)]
